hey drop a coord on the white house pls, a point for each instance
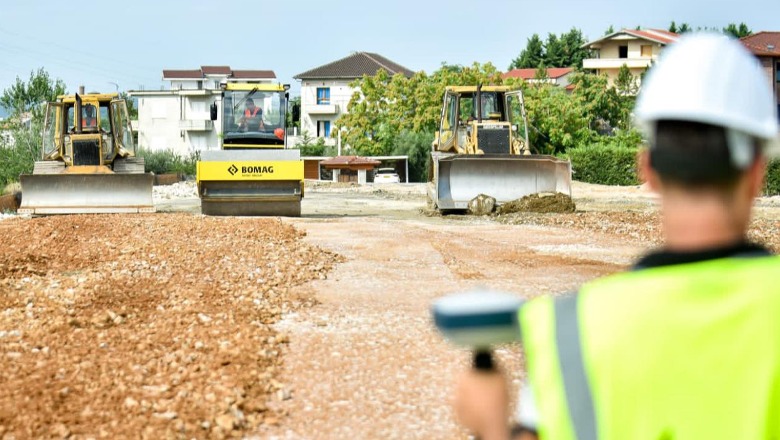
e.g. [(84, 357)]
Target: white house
[(325, 90), (636, 48), (179, 119)]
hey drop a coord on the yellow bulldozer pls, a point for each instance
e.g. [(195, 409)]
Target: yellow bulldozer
[(483, 147), (89, 162)]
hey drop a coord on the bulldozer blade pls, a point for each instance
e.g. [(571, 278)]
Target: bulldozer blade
[(459, 178), (86, 193)]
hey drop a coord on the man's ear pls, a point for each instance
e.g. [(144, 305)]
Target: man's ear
[(645, 171), (756, 174)]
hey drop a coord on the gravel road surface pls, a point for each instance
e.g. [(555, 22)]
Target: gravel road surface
[(176, 325)]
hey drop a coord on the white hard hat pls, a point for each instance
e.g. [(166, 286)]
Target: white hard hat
[(712, 79)]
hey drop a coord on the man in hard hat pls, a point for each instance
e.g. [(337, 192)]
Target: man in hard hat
[(687, 344)]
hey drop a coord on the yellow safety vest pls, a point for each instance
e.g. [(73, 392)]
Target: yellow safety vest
[(689, 351)]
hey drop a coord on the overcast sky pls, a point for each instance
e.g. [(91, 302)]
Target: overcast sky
[(125, 45)]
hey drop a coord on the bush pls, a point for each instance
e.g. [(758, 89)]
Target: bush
[(604, 164), (416, 145), (19, 156), (772, 187), (168, 161)]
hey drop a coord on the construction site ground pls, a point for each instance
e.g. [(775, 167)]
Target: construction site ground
[(176, 325)]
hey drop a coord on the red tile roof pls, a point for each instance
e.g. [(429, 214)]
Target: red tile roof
[(215, 70), (763, 43), (355, 66), (660, 35), (246, 74), (656, 35), (552, 72), (182, 74), (350, 160), (218, 70)]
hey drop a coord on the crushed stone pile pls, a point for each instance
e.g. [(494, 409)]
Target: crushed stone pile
[(150, 326)]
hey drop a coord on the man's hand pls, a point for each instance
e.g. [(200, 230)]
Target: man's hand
[(482, 404)]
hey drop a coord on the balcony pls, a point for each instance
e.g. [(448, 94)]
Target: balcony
[(196, 125), (323, 109), (615, 63)]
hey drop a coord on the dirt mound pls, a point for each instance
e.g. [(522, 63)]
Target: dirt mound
[(162, 332), (541, 202), (10, 202)]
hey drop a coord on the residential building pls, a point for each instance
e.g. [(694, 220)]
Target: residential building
[(325, 90), (766, 47), (637, 49), (558, 76), (178, 119)]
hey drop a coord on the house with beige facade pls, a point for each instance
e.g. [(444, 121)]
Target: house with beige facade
[(178, 118), (326, 90), (766, 47), (637, 49)]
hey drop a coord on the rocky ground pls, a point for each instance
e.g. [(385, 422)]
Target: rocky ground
[(176, 325), (146, 326)]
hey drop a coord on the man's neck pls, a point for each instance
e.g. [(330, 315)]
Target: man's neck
[(701, 222)]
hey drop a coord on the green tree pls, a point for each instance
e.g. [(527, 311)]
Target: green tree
[(553, 52), (26, 102), (416, 146), (556, 119), (541, 72), (531, 56), (31, 96), (385, 106), (601, 104), (737, 31), (673, 27), (131, 110), (572, 44), (610, 30), (626, 83), (684, 28), (296, 100)]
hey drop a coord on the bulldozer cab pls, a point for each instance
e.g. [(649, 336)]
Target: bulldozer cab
[(482, 120), (88, 130)]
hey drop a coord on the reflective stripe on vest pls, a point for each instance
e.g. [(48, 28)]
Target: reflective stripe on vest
[(251, 114), (575, 382), (684, 351)]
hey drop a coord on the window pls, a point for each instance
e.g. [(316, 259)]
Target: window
[(647, 51), (449, 123), (622, 51), (323, 129), (323, 95)]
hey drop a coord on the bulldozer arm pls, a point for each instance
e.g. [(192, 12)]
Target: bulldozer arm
[(68, 193), (458, 178)]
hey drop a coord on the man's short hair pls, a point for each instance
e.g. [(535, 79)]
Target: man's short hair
[(695, 154)]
